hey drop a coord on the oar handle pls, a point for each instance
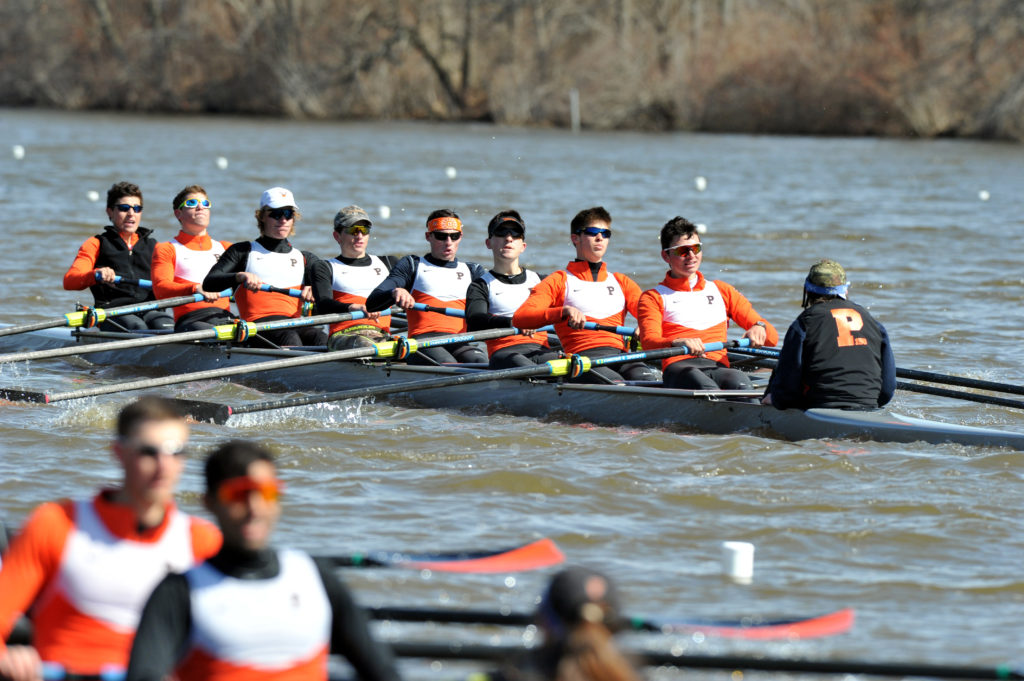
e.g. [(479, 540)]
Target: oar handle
[(620, 330), (118, 279), (293, 292), (54, 671), (449, 311)]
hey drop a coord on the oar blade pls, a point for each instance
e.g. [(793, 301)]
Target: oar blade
[(16, 395), (830, 624), (539, 554), (199, 411)]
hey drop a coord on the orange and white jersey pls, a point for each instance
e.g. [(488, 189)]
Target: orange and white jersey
[(281, 270), (597, 300), (503, 300), (673, 309), (244, 629), (439, 287), (193, 265), (179, 267), (89, 572), (351, 284)]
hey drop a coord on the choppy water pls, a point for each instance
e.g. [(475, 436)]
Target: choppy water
[(924, 541)]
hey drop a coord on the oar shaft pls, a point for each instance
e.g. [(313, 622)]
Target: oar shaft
[(960, 395), (456, 312), (293, 292)]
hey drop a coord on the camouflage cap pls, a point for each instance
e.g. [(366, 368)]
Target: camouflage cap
[(350, 215), (827, 278)]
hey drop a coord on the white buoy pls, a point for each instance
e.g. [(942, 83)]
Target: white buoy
[(700, 182), (93, 195), (738, 561), (701, 228), (451, 172), (18, 152), (384, 211), (222, 162), (984, 195)]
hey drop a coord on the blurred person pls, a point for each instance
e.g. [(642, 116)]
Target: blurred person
[(124, 249), (492, 299), (181, 264), (270, 259), (342, 283), (252, 611), (437, 279), (835, 354), (587, 291), (686, 309), (87, 566)]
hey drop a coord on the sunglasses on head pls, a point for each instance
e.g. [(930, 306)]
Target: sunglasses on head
[(445, 236), (357, 229), (125, 207), (681, 251), (192, 203), (154, 451), (595, 231), (237, 490), (281, 213), (505, 232)]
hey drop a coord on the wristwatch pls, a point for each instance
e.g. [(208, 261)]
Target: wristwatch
[(761, 324)]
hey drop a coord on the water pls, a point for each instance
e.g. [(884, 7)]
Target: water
[(923, 541)]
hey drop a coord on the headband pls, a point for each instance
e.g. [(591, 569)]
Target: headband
[(445, 224)]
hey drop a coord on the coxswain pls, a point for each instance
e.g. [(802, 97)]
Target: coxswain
[(180, 265), (124, 249), (437, 279), (835, 354), (87, 566), (493, 298), (252, 611), (686, 309), (270, 260), (586, 291), (341, 284)]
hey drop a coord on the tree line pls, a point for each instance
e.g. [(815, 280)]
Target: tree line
[(860, 67)]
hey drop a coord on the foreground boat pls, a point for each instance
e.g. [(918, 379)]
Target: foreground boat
[(719, 412)]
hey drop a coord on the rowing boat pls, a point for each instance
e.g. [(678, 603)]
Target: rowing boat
[(639, 405)]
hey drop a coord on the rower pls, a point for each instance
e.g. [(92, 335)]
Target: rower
[(252, 611), (180, 265), (835, 354), (124, 249), (493, 298), (437, 279), (686, 309), (586, 291), (97, 560), (272, 260), (578, 618), (341, 284)]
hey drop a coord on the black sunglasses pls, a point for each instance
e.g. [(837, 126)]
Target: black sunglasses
[(281, 213), (125, 207), (445, 236)]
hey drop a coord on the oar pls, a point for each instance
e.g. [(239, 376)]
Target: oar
[(456, 312), (927, 389), (533, 556), (74, 319), (571, 366), (293, 292), (118, 279), (829, 624), (226, 332), (465, 651), (396, 349)]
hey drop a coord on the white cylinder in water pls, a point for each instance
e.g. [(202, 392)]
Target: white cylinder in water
[(738, 561)]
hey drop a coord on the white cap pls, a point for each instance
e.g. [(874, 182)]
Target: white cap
[(277, 197)]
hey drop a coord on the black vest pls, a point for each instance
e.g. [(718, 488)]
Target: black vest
[(131, 263)]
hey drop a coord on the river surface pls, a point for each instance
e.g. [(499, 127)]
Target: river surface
[(925, 542)]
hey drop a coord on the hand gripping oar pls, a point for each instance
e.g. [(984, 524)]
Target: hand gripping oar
[(533, 556), (931, 390), (829, 624), (460, 651), (91, 316), (594, 326), (118, 279), (226, 332), (396, 349), (571, 366)]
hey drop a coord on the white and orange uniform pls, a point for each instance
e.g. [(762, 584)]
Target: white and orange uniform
[(276, 262), (673, 309), (604, 300), (180, 265), (88, 570), (351, 284), (242, 629), (503, 299)]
